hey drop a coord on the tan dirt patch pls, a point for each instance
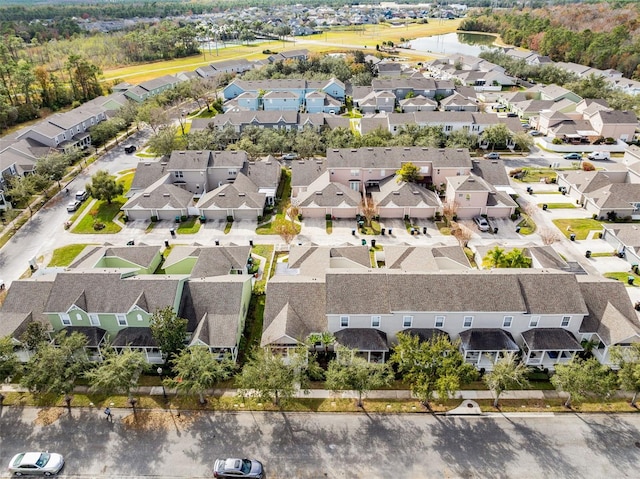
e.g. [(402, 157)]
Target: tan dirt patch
[(48, 416)]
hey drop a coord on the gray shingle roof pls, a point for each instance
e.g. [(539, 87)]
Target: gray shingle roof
[(263, 173), (219, 260), (134, 337), (108, 293), (323, 193), (241, 193), (404, 194), (147, 173), (487, 339), (216, 306), (362, 339), (160, 196), (492, 171), (94, 334), (425, 258), (616, 196), (303, 173), (316, 260), (553, 339), (393, 158), (610, 312), (295, 306)]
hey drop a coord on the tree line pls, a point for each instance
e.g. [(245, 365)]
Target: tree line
[(434, 368), (612, 44)]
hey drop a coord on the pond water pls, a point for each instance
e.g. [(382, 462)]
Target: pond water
[(463, 43)]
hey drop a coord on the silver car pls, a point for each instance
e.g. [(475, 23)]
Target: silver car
[(36, 463), (228, 468), (482, 223)]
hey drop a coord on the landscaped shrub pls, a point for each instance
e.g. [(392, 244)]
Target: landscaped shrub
[(300, 217), (327, 217), (610, 141), (183, 218), (557, 141), (586, 166), (154, 219), (259, 218), (229, 219), (594, 216), (98, 226)]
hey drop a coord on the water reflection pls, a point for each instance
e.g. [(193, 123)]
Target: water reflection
[(463, 43)]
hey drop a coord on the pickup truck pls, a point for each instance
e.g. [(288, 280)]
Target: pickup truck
[(599, 155)]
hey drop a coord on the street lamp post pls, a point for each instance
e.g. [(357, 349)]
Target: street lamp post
[(164, 392)]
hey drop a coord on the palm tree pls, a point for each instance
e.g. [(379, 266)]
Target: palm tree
[(507, 373), (495, 258), (517, 259)]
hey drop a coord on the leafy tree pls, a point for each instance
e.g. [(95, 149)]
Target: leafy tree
[(153, 115), (166, 140), (324, 338), (508, 373), (169, 331), (118, 373), (54, 368), (628, 360), (103, 186), (53, 166), (583, 378), (352, 372), (21, 189), (517, 259), (270, 378), (338, 138), (433, 366), (495, 258), (496, 135), (197, 370), (523, 140), (408, 172), (287, 230), (307, 143), (34, 336), (9, 363), (462, 139), (106, 130)]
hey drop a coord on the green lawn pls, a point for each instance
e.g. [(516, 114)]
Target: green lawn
[(580, 227), (105, 213), (204, 113), (623, 276), (527, 225), (557, 206), (534, 175), (266, 251), (282, 197), (189, 227), (374, 229), (126, 180), (65, 255)]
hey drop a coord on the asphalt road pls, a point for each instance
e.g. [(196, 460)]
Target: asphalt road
[(305, 446), (40, 234)]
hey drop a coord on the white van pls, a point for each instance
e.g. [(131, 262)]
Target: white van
[(599, 155)]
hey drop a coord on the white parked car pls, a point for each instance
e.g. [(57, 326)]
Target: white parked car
[(482, 223), (36, 463)]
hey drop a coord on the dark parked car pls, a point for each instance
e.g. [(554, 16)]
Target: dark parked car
[(228, 468), (572, 156), (130, 148)]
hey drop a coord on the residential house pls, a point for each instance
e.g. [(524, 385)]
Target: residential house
[(151, 88), (399, 199), (159, 201), (139, 260), (473, 196), (419, 259), (611, 320), (239, 200), (325, 198), (207, 261), (625, 240), (458, 102), (418, 103)]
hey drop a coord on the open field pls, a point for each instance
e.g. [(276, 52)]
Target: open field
[(366, 37)]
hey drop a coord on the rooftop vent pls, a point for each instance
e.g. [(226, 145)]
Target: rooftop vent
[(318, 192), (148, 164), (220, 194), (396, 193), (166, 195), (242, 194), (339, 193), (146, 195)]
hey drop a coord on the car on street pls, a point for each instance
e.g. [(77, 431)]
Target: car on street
[(290, 156), (81, 195), (482, 223), (573, 156), (232, 467), (36, 463), (130, 149), (73, 206), (535, 133), (492, 156)]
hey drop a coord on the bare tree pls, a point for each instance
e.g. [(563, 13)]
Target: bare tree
[(549, 236), (287, 230), (368, 209), (293, 210), (449, 210), (462, 233)]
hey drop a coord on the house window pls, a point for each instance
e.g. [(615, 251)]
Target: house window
[(178, 174), (232, 172), (506, 322), (66, 320), (139, 317), (122, 319), (468, 321), (375, 321), (383, 173), (448, 128), (439, 321), (407, 321), (94, 320), (533, 322), (78, 317), (355, 172), (344, 321), (565, 321)]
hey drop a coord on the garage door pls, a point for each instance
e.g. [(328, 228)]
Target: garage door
[(422, 212), (344, 213), (245, 214), (168, 214), (498, 212), (391, 212), (135, 215), (313, 212), (215, 214)]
